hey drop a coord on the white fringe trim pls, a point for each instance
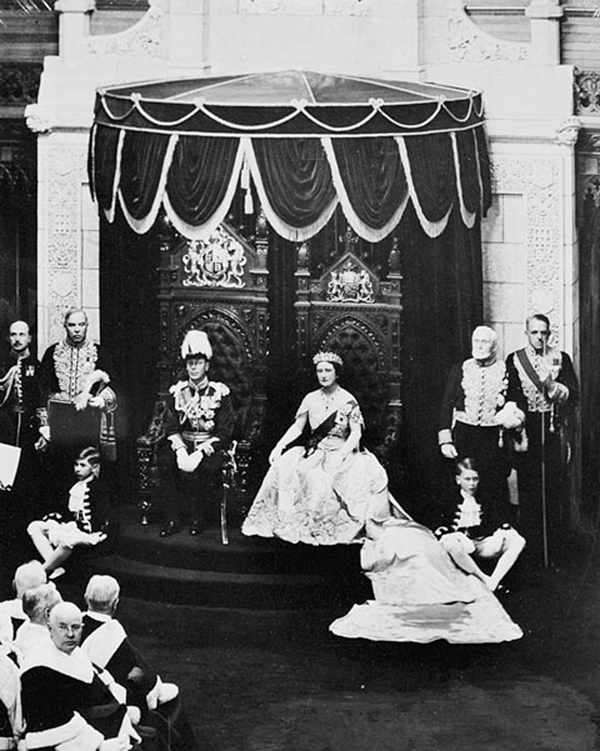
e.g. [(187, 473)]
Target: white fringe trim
[(110, 212), (433, 229), (362, 230), (141, 226), (203, 231), (287, 231), (467, 216)]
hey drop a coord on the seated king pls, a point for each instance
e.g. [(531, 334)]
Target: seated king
[(199, 427)]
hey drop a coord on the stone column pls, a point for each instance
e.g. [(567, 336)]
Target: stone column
[(73, 26), (544, 17)]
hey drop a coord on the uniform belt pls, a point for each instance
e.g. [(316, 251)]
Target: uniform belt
[(196, 439), (462, 417)]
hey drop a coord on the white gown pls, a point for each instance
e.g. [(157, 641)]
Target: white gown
[(420, 595)]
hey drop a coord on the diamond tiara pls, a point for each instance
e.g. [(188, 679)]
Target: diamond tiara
[(327, 357)]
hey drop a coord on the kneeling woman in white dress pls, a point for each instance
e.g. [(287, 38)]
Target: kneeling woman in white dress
[(321, 493)]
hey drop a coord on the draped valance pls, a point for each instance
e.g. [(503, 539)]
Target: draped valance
[(305, 141)]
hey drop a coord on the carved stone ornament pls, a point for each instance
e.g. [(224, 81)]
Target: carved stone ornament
[(19, 82), (37, 120), (589, 140), (568, 132), (65, 170), (591, 190), (469, 43), (350, 283), (587, 92), (146, 38), (216, 262), (539, 181)]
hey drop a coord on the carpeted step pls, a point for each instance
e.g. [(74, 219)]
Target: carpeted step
[(206, 552), (223, 589)]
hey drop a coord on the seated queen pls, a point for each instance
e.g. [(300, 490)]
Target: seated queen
[(323, 491)]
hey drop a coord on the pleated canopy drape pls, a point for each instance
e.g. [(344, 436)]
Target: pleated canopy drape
[(307, 141)]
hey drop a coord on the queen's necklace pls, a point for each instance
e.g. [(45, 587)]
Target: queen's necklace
[(328, 399)]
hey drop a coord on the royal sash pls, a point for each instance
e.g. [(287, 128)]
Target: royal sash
[(530, 371)]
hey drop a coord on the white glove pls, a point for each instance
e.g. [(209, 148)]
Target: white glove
[(183, 460), (135, 714), (449, 450), (558, 392), (194, 459)]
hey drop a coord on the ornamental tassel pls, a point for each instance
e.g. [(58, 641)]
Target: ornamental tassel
[(245, 185)]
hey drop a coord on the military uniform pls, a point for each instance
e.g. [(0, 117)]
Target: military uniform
[(23, 415), (547, 409), (197, 417)]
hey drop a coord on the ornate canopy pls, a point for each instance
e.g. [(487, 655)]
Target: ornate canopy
[(306, 141)]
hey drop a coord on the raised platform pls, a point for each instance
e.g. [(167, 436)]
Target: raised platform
[(253, 573)]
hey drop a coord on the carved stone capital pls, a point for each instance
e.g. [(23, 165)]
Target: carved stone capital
[(75, 6), (548, 9), (568, 131), (37, 119)]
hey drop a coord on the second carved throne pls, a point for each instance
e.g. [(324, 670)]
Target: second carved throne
[(348, 309), (218, 285)]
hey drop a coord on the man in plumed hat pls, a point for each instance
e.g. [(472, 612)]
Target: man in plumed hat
[(199, 425)]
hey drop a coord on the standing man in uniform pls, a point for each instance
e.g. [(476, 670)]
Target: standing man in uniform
[(199, 425), (546, 380), (75, 377), (25, 421), (476, 413)]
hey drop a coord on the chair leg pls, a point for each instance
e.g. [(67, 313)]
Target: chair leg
[(224, 533)]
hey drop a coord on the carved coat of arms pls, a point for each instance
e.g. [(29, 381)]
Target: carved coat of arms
[(216, 262), (350, 284)]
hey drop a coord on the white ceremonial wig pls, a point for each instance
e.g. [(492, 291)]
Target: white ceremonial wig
[(101, 592), (196, 344)]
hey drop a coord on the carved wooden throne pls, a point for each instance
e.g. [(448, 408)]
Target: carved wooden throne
[(349, 310), (218, 285)]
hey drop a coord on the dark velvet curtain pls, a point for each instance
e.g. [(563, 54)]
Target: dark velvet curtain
[(199, 176), (469, 177), (373, 175), (142, 161), (295, 173), (442, 302), (485, 168), (433, 174), (129, 324), (296, 176), (589, 275), (102, 160)]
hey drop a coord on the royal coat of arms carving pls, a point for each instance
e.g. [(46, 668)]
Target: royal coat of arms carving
[(217, 261)]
